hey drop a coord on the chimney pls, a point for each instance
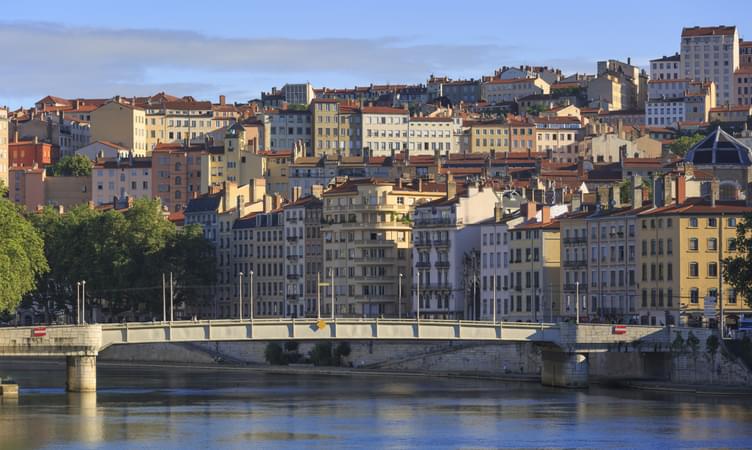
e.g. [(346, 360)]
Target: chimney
[(451, 187), (715, 187), (576, 201), (531, 210), (667, 191), (616, 195), (636, 192), (238, 206), (296, 190), (221, 99), (498, 212), (317, 190), (545, 214), (658, 187), (603, 199), (681, 189), (16, 136), (268, 203)]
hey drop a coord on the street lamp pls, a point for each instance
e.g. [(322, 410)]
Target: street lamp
[(417, 294), (251, 287), (83, 301), (577, 301), (78, 303), (399, 298), (240, 296)]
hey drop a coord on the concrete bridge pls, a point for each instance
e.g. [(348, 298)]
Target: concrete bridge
[(564, 357)]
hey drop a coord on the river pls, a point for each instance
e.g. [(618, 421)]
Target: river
[(180, 407)]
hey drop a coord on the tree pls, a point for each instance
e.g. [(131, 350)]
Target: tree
[(3, 189), (72, 166), (737, 269), (22, 258), (681, 145)]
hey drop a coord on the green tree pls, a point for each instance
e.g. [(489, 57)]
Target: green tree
[(22, 258), (3, 189), (681, 145), (737, 269), (72, 166)]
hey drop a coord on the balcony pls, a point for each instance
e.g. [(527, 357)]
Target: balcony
[(441, 242), (293, 257), (292, 276), (420, 243), (292, 238), (437, 221), (423, 264), (442, 264), (572, 287), (575, 264), (436, 287), (575, 240), (292, 296)]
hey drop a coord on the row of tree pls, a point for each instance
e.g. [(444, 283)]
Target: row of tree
[(121, 255)]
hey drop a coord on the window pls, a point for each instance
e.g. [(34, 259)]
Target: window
[(713, 269), (669, 246), (732, 244), (693, 245), (712, 222), (731, 222), (693, 222), (712, 244), (694, 269), (694, 295)]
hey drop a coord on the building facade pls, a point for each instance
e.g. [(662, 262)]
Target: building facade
[(711, 54)]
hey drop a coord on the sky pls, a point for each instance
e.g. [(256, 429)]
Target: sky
[(100, 49)]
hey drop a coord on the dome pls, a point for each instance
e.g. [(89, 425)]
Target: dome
[(719, 147)]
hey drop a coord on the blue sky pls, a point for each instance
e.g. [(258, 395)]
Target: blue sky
[(103, 48)]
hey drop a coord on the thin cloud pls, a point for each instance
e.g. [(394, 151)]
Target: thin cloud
[(42, 58)]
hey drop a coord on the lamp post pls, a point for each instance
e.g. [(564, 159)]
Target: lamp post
[(332, 288), (417, 294), (577, 301), (172, 297), (251, 287), (78, 303), (399, 296), (240, 296), (83, 301), (164, 298)]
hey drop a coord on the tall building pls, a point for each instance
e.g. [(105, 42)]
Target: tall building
[(176, 174), (122, 123), (711, 54), (384, 129), (367, 243), (120, 179), (442, 234), (618, 86), (666, 68), (303, 255)]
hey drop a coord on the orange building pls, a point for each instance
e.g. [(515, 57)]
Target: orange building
[(176, 174), (30, 154)]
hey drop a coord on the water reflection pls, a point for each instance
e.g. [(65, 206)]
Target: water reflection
[(167, 407)]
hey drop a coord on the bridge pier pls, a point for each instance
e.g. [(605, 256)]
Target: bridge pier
[(564, 369), (82, 374)]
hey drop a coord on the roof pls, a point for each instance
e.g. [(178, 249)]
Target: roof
[(125, 163), (700, 206), (673, 58), (309, 201), (719, 147), (708, 31), (383, 110), (204, 203), (513, 81)]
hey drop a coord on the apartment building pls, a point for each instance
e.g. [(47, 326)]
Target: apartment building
[(303, 256), (665, 68), (742, 90), (298, 93), (288, 127), (671, 102), (31, 153), (728, 113), (122, 123), (498, 136), (32, 188), (711, 54), (121, 179), (428, 135), (326, 136), (385, 130), (443, 233), (618, 86), (367, 243), (534, 268), (558, 135), (176, 174), (695, 236), (457, 91), (574, 264), (510, 90), (4, 160)]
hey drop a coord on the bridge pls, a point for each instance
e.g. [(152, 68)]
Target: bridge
[(565, 345)]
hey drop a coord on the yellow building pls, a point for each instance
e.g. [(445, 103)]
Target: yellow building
[(335, 127), (239, 161), (367, 244), (122, 123), (502, 137), (534, 268), (679, 261)]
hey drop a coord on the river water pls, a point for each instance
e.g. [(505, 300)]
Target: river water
[(179, 407)]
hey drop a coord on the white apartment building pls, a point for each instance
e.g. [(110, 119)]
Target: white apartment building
[(666, 112), (298, 93), (442, 234), (428, 135), (711, 54), (287, 127)]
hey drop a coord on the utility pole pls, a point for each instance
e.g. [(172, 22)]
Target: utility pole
[(171, 298), (577, 301), (417, 292), (332, 288), (78, 303), (318, 295), (240, 296)]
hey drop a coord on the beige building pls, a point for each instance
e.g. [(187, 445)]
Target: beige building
[(509, 90), (711, 53), (385, 129), (428, 135), (32, 188), (121, 179), (618, 86), (121, 123), (4, 146), (367, 244), (336, 127), (502, 137)]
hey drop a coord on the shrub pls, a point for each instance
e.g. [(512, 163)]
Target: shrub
[(274, 354), (341, 351), (321, 354), (693, 342), (291, 346), (678, 344), (712, 344)]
